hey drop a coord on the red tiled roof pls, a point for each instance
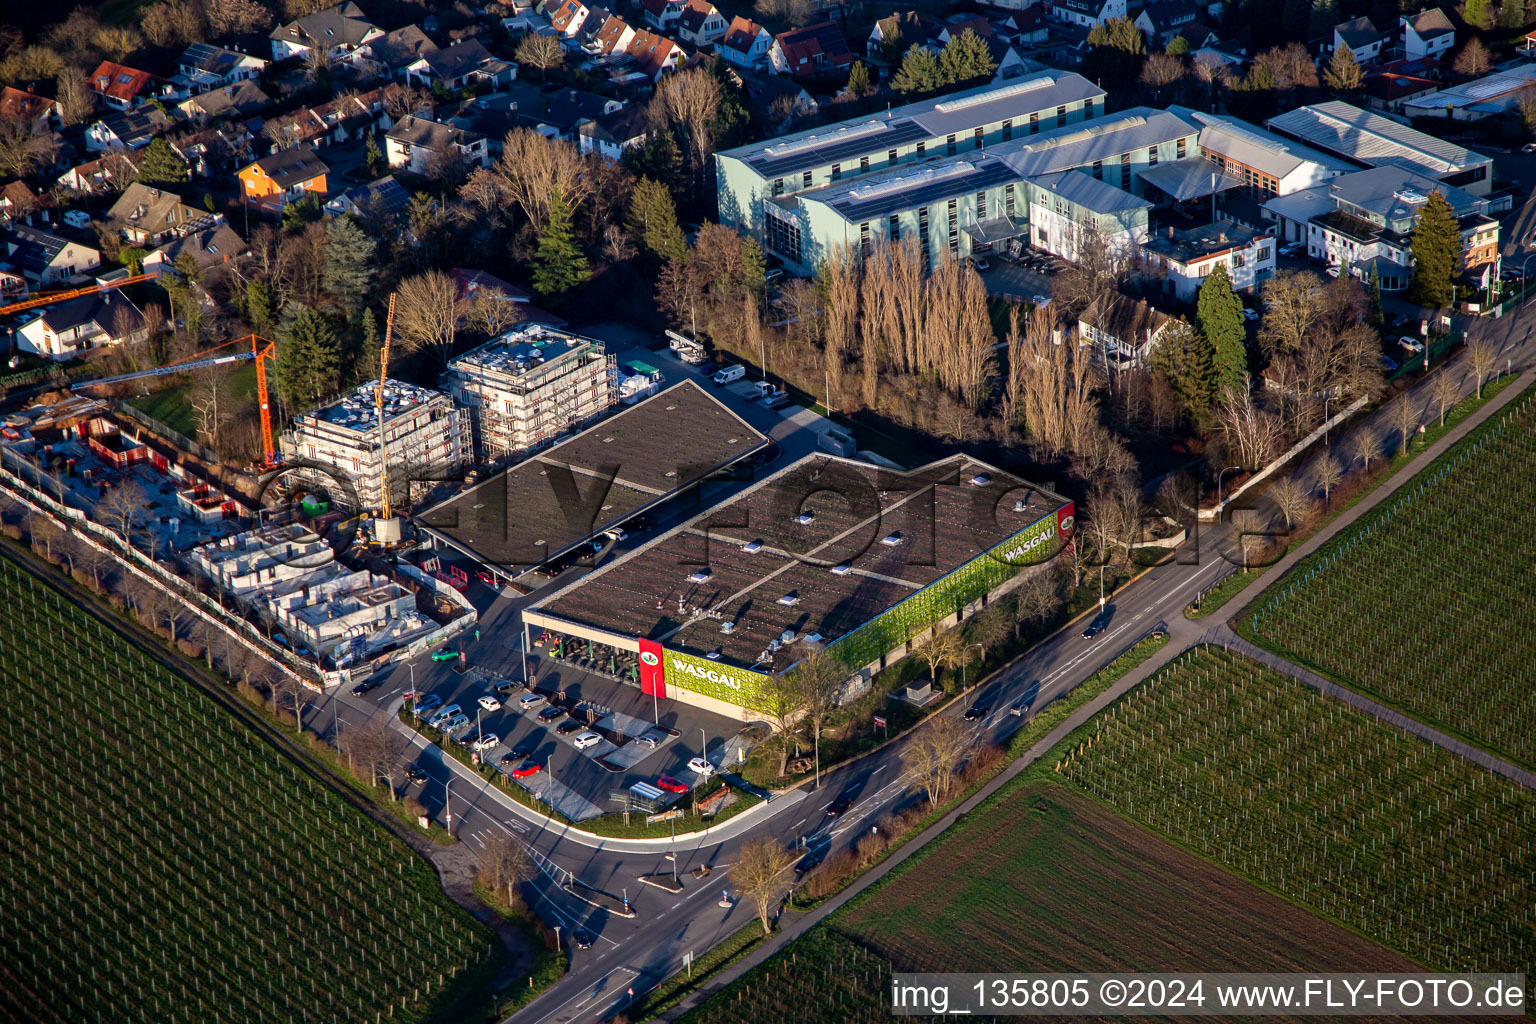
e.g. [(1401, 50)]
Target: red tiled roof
[(22, 105), (801, 47), (119, 81), (741, 34), (652, 51), (612, 31)]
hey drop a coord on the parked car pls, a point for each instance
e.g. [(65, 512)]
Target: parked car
[(522, 752), (489, 703), (488, 741), (454, 724), (977, 711), (526, 769), (1388, 363), (729, 374), (648, 741), (427, 703), (1529, 147), (1250, 314), (1333, 270), (445, 655), (616, 534), (699, 766), (415, 774), (1411, 344), (671, 785), (531, 701), (568, 726), (777, 400), (980, 265), (549, 714), (506, 688), (443, 715), (807, 863), (587, 739)]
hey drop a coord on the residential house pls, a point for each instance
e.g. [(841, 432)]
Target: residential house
[(1030, 27), (12, 284), (613, 38), (337, 32), (1389, 86), (1427, 34), (566, 17), (239, 100), (1123, 331), (34, 111), (609, 135), (1363, 222), (422, 146), (395, 51), (146, 215), (701, 23), (556, 114), (1489, 96), (382, 195), (1363, 38), (301, 127), (654, 55), (662, 14), (524, 17), (346, 118), (1087, 13), (780, 101), (44, 258), (20, 203), (815, 51), (461, 64), (120, 86), (1184, 258), (1161, 20), (274, 181), (126, 129), (109, 173), (210, 247), (745, 44), (1528, 42), (472, 284), (892, 36), (203, 66), (585, 38), (1229, 54), (216, 150), (91, 321)]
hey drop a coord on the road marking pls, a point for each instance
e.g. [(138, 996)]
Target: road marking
[(882, 768), (676, 905), (517, 826)]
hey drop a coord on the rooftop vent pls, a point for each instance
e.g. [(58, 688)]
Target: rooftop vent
[(1018, 506), (701, 575), (891, 540), (727, 627), (841, 570), (806, 518), (981, 479), (752, 547), (790, 599)]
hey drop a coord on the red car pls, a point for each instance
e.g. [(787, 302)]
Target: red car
[(526, 769), (671, 785), (484, 576)]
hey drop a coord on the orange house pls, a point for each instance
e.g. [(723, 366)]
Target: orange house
[(277, 180)]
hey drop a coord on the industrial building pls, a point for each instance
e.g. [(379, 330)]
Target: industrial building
[(827, 551), (1499, 93), (1371, 140), (1015, 189), (340, 450), (529, 386), (622, 468), (962, 122), (1264, 164), (1364, 221)]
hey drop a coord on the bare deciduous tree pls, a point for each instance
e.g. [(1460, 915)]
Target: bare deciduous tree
[(490, 312), (1483, 356), (761, 873), (941, 648), (1328, 475), (44, 532), (506, 864), (378, 749), (532, 172), (1474, 59), (211, 401), (121, 507), (819, 679), (1366, 444), (1444, 393), (1407, 415), (1254, 434), (618, 247), (540, 51), (933, 754), (1290, 497), (427, 313)]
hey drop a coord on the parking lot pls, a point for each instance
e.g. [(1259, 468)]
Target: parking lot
[(1027, 279)]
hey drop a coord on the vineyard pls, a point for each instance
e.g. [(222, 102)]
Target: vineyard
[(1426, 602), (164, 864), (1387, 833)]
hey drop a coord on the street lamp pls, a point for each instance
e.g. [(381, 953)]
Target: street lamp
[(1223, 473), (1101, 587), (963, 664)]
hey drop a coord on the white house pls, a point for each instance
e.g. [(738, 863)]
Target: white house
[(91, 321), (459, 65), (745, 44), (609, 135), (1123, 331), (419, 145), (1184, 259), (44, 258), (565, 16), (1363, 38), (701, 23), (130, 129), (203, 66), (1087, 13), (339, 31), (662, 14), (1429, 34)]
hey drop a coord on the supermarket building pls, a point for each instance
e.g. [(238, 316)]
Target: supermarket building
[(829, 551)]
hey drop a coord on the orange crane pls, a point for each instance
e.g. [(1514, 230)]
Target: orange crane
[(44, 298), (261, 350)]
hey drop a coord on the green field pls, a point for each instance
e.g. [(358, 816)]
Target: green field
[(171, 406), (163, 863), (1354, 818), (1426, 603)]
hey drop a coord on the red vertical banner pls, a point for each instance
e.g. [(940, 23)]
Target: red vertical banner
[(1065, 521), (652, 671)]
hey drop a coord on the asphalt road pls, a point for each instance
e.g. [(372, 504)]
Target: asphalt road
[(635, 954)]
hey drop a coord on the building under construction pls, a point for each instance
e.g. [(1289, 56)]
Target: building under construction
[(422, 439), (530, 386)]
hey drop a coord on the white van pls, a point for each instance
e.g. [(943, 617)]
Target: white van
[(730, 373)]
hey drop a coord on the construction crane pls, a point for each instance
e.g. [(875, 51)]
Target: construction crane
[(45, 298), (261, 350), (387, 529)]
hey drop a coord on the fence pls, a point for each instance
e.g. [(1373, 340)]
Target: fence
[(1273, 467), (176, 437), (1439, 349), (41, 374)]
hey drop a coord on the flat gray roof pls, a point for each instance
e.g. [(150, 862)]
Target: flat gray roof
[(640, 457), (1099, 139), (1083, 189), (872, 196)]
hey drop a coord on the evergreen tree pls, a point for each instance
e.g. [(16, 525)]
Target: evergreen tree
[(1253, 96), (1512, 14), (258, 307), (132, 258), (1478, 13), (371, 155), (1185, 360), (308, 358), (653, 221), (1219, 317), (161, 165), (369, 346), (659, 159), (301, 211), (859, 83), (1374, 317), (1178, 46), (349, 268), (1117, 50), (919, 73), (965, 60), (208, 203), (559, 263), (1436, 247), (1343, 73)]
